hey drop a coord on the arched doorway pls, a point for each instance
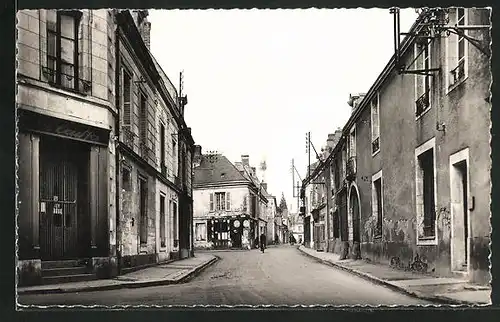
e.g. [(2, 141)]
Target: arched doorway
[(354, 210)]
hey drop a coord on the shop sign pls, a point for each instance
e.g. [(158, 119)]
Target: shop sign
[(40, 123)]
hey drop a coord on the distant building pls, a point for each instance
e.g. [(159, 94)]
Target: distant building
[(229, 205)]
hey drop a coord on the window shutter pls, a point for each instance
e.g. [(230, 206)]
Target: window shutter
[(127, 96), (228, 201), (211, 202)]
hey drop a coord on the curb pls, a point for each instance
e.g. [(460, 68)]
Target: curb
[(198, 270), (123, 285), (369, 277)]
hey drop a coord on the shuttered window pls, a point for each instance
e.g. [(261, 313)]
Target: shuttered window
[(127, 97), (228, 201), (162, 144), (143, 118), (163, 239)]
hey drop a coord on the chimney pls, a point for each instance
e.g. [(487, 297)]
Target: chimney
[(245, 159), (197, 156), (355, 99), (264, 186), (146, 34), (144, 26)]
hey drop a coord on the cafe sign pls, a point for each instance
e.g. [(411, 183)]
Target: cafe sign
[(40, 123)]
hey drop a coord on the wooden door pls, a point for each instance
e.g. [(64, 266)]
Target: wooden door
[(354, 203), (58, 205)]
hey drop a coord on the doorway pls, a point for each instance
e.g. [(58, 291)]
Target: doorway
[(460, 227), (354, 210), (355, 220), (63, 198)]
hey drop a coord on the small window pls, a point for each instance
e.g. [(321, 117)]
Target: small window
[(201, 231), (425, 193)]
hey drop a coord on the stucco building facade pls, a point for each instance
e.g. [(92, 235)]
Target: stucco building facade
[(229, 204), (412, 171)]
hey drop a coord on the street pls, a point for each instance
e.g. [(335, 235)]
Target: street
[(280, 276)]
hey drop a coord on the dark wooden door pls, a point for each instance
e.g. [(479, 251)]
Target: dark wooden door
[(354, 203), (58, 204)]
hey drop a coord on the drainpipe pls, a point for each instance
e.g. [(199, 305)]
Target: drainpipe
[(117, 149)]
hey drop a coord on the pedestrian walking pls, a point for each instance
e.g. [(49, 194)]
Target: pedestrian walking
[(262, 242)]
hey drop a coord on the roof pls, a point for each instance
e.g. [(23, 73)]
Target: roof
[(217, 170)]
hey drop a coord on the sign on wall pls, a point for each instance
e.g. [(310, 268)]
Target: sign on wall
[(35, 122)]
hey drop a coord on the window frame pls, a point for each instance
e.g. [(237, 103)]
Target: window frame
[(56, 74), (375, 135), (426, 81), (205, 235), (220, 201), (420, 193), (163, 228), (378, 209), (453, 49), (163, 133), (126, 73)]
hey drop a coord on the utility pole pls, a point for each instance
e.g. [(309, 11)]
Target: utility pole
[(308, 149)]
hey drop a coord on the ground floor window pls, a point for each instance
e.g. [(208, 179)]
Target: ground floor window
[(201, 231), (163, 240), (377, 203), (425, 191), (143, 211)]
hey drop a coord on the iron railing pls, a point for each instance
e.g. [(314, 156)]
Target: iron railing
[(422, 103), (458, 73), (376, 145)]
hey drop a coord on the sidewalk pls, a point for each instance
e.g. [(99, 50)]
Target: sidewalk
[(175, 272), (443, 290)]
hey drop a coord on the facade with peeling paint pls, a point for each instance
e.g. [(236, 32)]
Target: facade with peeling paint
[(414, 158), (92, 161)]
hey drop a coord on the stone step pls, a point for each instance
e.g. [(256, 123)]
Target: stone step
[(65, 271), (64, 263), (68, 278)]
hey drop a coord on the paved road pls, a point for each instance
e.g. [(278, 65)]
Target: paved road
[(280, 276)]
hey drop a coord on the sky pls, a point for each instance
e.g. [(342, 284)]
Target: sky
[(258, 80)]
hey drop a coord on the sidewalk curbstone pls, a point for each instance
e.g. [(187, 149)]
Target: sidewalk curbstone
[(369, 277), (122, 284)]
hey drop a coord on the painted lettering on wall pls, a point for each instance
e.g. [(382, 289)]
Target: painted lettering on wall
[(82, 135)]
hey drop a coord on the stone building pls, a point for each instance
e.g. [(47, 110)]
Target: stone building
[(414, 158), (272, 227), (89, 106), (228, 204), (65, 107)]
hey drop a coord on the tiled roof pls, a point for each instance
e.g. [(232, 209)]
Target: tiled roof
[(215, 169)]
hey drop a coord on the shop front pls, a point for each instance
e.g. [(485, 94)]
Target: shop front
[(231, 232), (63, 194)]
